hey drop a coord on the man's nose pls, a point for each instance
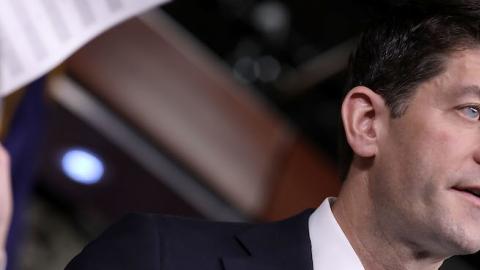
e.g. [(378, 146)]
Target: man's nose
[(476, 154)]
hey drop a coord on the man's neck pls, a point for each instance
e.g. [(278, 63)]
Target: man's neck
[(375, 246)]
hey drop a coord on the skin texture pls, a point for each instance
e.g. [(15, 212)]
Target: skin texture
[(402, 205)]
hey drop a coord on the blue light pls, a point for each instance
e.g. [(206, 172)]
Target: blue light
[(82, 166)]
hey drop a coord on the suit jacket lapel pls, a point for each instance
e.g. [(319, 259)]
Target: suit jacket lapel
[(281, 245)]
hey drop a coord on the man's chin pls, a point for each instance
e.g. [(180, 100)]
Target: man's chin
[(466, 248)]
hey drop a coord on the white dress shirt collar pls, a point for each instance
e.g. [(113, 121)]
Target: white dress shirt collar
[(330, 246)]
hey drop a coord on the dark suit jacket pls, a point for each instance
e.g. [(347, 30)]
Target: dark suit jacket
[(152, 242)]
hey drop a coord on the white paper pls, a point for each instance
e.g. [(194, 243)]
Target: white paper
[(37, 35)]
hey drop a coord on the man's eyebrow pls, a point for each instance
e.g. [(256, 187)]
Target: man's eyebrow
[(470, 90)]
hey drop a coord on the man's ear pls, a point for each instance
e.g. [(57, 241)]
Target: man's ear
[(361, 115)]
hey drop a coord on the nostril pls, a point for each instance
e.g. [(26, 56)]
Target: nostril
[(476, 156)]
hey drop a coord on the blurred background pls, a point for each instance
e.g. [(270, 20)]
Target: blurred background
[(220, 110)]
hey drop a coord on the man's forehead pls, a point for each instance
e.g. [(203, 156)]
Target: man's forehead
[(461, 76), (462, 61)]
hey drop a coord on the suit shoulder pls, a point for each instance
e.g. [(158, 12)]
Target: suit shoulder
[(190, 227), (123, 245), (147, 241)]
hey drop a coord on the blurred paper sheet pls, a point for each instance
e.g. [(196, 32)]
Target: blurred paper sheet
[(37, 35)]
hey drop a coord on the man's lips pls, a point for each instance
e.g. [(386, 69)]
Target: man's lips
[(474, 190), (470, 192)]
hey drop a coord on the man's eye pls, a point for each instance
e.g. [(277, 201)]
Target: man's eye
[(471, 112)]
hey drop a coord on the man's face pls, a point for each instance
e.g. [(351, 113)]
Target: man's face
[(428, 164)]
